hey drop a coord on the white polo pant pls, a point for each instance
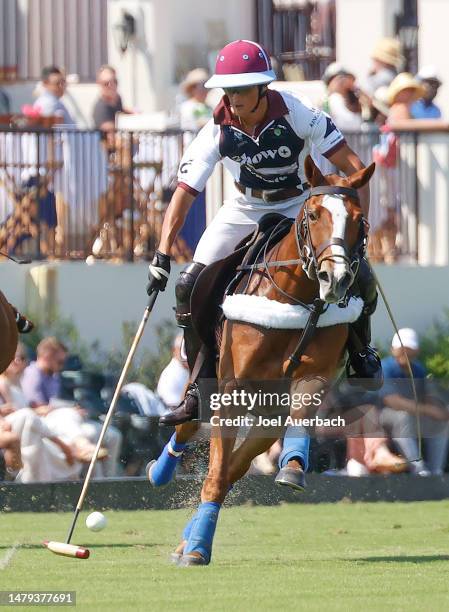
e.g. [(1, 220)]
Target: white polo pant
[(233, 222)]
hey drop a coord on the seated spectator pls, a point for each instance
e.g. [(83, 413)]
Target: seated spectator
[(425, 108), (387, 61), (49, 103), (194, 112), (398, 415), (342, 102), (109, 103), (402, 92), (10, 449), (45, 456), (41, 384), (175, 376)]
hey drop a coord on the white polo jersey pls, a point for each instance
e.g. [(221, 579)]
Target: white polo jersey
[(273, 158)]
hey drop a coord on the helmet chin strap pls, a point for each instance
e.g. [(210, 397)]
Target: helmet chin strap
[(262, 92)]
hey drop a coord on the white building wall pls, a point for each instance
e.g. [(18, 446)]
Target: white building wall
[(360, 24), (99, 298), (433, 16), (173, 37)]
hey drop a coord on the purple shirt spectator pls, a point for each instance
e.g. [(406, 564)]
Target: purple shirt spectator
[(39, 388)]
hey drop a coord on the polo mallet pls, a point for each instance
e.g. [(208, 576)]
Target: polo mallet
[(72, 550)]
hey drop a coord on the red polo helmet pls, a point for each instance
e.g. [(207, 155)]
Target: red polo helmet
[(242, 63)]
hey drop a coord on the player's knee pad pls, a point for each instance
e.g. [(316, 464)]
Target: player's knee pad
[(183, 290)]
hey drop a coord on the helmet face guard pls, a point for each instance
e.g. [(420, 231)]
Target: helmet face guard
[(242, 63)]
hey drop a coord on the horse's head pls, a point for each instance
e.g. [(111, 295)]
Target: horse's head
[(330, 230)]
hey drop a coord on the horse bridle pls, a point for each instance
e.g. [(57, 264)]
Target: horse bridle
[(310, 256)]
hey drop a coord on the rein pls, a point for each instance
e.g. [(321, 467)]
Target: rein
[(308, 258), (308, 255)]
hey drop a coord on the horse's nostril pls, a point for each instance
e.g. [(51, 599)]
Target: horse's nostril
[(323, 276), (345, 281)]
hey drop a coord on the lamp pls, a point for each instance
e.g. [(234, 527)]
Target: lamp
[(124, 31)]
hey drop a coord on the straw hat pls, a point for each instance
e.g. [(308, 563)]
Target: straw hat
[(388, 50), (404, 80), (194, 77)]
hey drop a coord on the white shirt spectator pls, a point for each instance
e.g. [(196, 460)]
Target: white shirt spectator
[(343, 117), (172, 383), (51, 106)]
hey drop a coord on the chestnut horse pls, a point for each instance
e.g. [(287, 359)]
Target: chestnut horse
[(316, 259)]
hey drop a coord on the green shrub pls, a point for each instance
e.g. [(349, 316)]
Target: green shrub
[(435, 349)]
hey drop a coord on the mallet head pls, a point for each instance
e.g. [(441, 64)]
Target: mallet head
[(68, 550)]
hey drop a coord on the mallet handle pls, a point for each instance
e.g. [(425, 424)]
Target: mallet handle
[(111, 410)]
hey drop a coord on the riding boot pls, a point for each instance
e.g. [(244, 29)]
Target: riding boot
[(364, 366), (188, 408)]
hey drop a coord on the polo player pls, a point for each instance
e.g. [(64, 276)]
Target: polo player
[(263, 138)]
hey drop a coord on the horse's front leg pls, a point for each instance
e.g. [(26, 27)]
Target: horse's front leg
[(199, 532), (160, 471)]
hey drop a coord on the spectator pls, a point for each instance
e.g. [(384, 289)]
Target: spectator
[(109, 103), (10, 447), (41, 384), (44, 455), (380, 105), (49, 103), (342, 102), (175, 376), (5, 106), (398, 415), (387, 61), (194, 112), (402, 92), (425, 108)]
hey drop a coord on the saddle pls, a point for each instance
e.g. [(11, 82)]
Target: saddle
[(223, 275)]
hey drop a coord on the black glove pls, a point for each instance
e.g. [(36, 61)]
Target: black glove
[(158, 273)]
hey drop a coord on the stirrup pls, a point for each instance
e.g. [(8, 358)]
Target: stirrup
[(364, 369)]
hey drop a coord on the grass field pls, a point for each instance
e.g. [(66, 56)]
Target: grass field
[(290, 557)]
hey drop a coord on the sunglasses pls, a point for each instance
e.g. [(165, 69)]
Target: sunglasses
[(235, 90), (108, 83)]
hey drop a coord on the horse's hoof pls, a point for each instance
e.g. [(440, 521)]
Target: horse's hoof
[(175, 558), (291, 477), (192, 559), (176, 555), (148, 470)]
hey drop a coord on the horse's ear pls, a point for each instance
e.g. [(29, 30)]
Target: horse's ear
[(361, 177), (313, 173)]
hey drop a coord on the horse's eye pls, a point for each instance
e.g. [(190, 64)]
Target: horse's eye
[(313, 215)]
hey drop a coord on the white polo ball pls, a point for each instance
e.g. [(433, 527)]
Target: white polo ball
[(96, 521), (90, 260)]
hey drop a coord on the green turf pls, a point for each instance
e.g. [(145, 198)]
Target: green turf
[(290, 557)]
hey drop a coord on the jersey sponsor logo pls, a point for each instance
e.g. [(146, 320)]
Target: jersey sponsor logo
[(282, 151), (330, 127), (184, 167)]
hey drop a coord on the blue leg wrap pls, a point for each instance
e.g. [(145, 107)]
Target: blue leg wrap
[(164, 468), (203, 530), (188, 528), (296, 445)]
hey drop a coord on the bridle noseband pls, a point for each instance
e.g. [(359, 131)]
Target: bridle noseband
[(310, 255)]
